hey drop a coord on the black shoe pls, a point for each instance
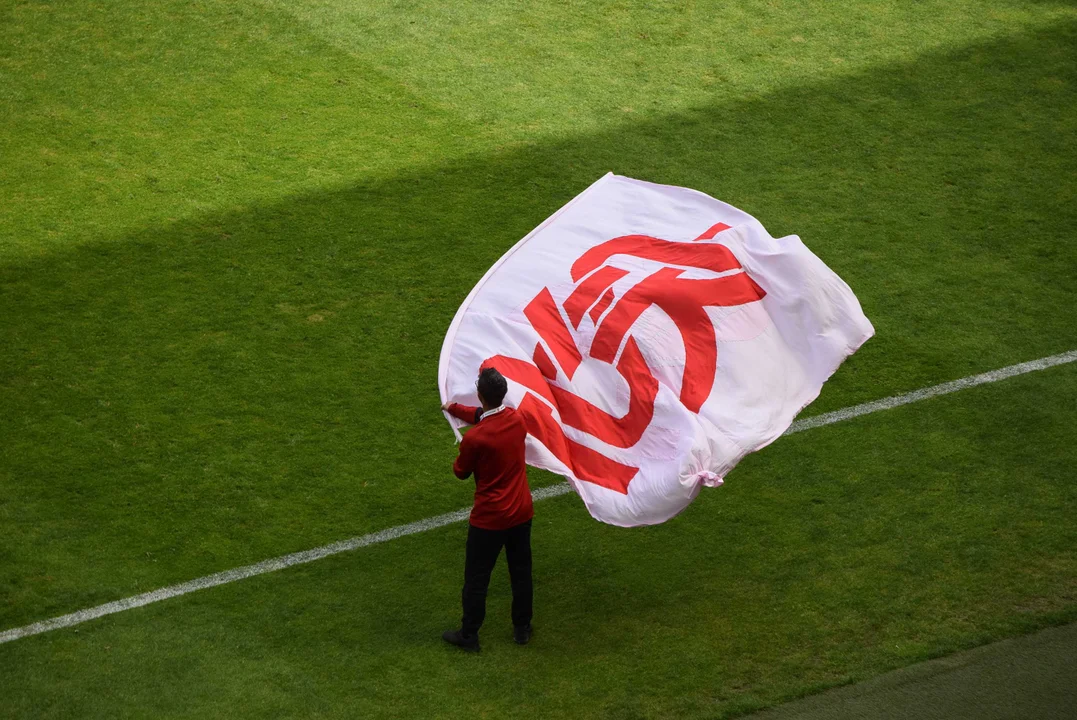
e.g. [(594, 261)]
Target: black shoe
[(469, 643), (522, 634)]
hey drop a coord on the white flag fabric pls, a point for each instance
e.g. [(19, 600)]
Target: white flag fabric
[(652, 336)]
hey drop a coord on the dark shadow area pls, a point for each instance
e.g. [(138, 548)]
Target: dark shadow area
[(816, 573), (247, 384), (1030, 677)]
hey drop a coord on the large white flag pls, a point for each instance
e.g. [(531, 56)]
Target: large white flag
[(652, 336)]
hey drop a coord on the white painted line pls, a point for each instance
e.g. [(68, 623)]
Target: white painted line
[(273, 564), (261, 568), (933, 391)]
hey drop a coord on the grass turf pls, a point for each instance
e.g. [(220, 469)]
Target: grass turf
[(821, 566), (1034, 676), (236, 238)]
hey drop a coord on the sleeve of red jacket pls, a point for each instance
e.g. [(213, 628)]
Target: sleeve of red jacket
[(465, 461), (467, 413)]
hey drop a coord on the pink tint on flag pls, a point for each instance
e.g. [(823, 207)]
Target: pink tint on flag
[(707, 337)]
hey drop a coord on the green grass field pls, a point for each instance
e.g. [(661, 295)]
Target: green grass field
[(232, 236)]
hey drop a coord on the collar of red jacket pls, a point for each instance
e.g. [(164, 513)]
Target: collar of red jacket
[(492, 411)]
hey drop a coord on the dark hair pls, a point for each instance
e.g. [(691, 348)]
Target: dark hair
[(492, 386)]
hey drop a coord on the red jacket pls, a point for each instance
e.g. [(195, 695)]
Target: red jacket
[(494, 451)]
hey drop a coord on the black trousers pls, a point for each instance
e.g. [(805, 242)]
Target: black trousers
[(483, 547)]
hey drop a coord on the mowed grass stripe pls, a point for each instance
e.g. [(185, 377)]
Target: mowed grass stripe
[(307, 556)]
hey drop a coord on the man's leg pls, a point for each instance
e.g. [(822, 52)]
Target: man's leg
[(483, 547), (518, 554)]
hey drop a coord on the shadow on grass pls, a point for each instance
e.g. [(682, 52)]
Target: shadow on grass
[(255, 382)]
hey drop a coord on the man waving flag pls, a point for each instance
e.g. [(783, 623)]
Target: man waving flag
[(651, 337)]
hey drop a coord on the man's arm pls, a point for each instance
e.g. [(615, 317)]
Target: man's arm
[(465, 461), (468, 414)]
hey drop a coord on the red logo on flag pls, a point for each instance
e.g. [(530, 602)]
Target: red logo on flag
[(684, 300)]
